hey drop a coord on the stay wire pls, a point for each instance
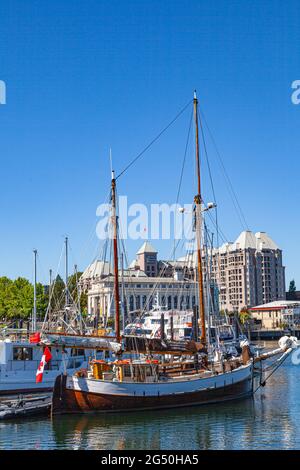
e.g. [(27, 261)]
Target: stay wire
[(155, 139), (229, 183)]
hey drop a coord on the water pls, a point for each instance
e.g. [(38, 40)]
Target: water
[(268, 421)]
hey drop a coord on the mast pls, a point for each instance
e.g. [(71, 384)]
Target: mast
[(66, 273), (123, 293), (198, 204), (50, 281), (115, 248), (34, 292)]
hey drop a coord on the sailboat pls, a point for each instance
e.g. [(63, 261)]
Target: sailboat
[(156, 373), (63, 332)]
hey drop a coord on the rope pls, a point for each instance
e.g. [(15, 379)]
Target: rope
[(154, 140), (262, 384), (227, 179)]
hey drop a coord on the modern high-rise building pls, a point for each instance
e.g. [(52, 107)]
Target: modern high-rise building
[(248, 272)]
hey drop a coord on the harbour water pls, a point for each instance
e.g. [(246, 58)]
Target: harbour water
[(268, 421)]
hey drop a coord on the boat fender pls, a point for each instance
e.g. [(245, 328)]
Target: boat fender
[(244, 342), (286, 342)]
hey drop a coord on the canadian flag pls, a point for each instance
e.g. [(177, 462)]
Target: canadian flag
[(46, 357)]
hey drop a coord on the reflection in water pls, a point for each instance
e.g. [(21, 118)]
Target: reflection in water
[(267, 421), (197, 427)]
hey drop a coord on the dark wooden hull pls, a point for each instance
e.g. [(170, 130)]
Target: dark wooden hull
[(74, 401)]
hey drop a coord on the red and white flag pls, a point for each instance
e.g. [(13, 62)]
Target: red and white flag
[(35, 338), (47, 356)]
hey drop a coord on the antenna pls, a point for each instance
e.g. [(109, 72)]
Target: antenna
[(110, 160)]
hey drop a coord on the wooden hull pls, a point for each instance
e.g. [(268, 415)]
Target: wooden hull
[(71, 400)]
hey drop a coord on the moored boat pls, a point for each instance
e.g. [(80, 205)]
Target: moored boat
[(160, 372)]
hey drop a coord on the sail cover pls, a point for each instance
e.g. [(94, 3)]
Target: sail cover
[(77, 341), (158, 345)]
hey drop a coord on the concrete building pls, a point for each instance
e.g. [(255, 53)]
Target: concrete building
[(248, 272), (278, 314)]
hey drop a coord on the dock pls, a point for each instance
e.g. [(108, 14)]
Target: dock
[(24, 405)]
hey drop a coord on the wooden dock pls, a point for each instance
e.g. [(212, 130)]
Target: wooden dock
[(24, 405)]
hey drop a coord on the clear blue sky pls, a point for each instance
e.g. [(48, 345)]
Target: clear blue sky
[(88, 75)]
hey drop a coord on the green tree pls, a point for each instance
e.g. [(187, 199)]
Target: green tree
[(74, 292), (57, 294), (42, 300), (244, 315), (292, 287), (16, 299), (5, 294)]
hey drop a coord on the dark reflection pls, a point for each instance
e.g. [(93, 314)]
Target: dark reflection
[(194, 427), (269, 421)]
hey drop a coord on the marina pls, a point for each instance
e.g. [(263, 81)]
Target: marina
[(240, 425), (149, 284)]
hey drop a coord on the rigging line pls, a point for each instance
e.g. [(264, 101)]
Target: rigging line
[(233, 194), (155, 285), (181, 174), (211, 178), (52, 290), (155, 139), (224, 238), (85, 245), (184, 158), (274, 370)]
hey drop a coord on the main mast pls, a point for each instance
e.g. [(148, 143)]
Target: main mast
[(198, 204), (33, 327), (66, 271), (115, 248)]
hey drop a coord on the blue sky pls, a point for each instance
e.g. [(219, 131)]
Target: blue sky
[(88, 75)]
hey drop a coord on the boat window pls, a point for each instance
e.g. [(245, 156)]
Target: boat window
[(187, 332), (77, 352), (22, 354), (127, 371)]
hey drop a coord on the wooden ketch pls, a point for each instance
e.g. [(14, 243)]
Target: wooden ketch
[(154, 381)]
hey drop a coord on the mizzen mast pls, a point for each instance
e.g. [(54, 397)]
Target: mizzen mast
[(115, 249), (198, 204)]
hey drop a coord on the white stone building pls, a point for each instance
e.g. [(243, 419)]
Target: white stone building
[(142, 286)]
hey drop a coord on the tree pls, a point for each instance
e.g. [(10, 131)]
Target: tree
[(244, 315), (5, 292), (74, 291), (16, 299), (57, 294), (292, 287)]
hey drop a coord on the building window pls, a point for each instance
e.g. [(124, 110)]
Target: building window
[(131, 303)]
